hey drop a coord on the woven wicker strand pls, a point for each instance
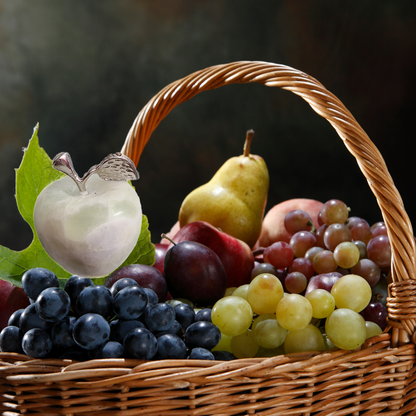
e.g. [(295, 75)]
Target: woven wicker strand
[(378, 378)]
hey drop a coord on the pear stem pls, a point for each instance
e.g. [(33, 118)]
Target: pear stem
[(247, 144)]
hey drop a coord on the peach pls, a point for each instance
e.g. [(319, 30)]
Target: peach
[(273, 228), (175, 228)]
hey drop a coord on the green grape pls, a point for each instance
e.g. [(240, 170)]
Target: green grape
[(264, 293), (241, 291), (372, 329), (229, 291), (352, 292), (323, 303), (232, 315), (261, 318), (224, 344), (346, 254), (244, 345), (267, 331), (294, 312), (334, 211), (328, 344), (346, 329), (270, 352), (307, 339)]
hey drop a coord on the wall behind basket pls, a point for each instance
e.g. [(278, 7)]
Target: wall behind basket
[(83, 70)]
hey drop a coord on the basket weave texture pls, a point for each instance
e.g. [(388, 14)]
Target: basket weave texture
[(378, 378)]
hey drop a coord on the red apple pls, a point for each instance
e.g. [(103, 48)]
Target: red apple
[(12, 298), (235, 255), (273, 228), (160, 253)]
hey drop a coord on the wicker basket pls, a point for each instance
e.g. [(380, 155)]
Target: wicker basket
[(377, 378)]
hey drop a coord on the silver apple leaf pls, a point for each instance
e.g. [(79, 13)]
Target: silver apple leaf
[(114, 167)]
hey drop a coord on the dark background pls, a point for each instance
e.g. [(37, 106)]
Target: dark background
[(83, 70)]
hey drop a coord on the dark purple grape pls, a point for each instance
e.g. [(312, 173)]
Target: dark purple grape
[(14, 319), (53, 304), (199, 353), (185, 314), (377, 313), (110, 349), (152, 297), (95, 299), (175, 329), (121, 284), (37, 279), (380, 290), (223, 355), (61, 333), (120, 328), (130, 302), (91, 330), (37, 343), (170, 346), (30, 319), (11, 339), (202, 334), (140, 343), (159, 317), (75, 285), (204, 315)]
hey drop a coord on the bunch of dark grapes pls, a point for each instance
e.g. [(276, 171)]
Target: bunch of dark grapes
[(85, 321), (315, 258)]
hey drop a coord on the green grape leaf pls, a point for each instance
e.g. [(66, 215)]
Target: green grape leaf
[(33, 175)]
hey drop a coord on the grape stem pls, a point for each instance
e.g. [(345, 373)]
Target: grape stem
[(313, 229)]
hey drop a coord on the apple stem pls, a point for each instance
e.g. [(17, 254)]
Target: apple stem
[(163, 235), (63, 163), (247, 143)]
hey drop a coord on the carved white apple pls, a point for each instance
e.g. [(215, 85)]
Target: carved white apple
[(90, 228)]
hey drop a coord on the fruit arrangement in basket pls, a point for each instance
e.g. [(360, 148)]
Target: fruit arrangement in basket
[(265, 276), (226, 285)]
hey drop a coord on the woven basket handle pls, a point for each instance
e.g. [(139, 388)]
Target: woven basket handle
[(326, 105)]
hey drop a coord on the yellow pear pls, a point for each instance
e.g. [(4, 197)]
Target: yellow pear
[(234, 199)]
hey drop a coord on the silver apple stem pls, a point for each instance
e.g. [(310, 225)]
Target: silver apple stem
[(63, 162), (114, 167)]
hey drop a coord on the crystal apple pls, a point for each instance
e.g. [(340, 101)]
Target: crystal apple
[(90, 228)]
